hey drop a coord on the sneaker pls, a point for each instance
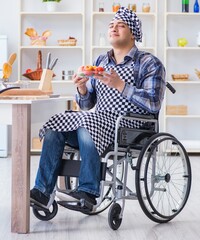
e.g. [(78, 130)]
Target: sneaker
[(83, 195), (38, 197)]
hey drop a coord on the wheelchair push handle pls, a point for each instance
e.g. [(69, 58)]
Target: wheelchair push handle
[(170, 87)]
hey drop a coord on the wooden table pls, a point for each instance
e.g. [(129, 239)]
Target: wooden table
[(18, 113)]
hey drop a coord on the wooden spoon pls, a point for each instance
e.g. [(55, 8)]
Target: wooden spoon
[(12, 58), (7, 70)]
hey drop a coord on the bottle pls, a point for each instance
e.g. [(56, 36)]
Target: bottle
[(196, 6), (185, 5)]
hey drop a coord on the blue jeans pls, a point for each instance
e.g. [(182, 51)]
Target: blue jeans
[(50, 161)]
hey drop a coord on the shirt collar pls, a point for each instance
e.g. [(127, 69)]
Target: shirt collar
[(130, 54)]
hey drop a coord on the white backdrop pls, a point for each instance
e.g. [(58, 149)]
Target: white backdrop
[(9, 26)]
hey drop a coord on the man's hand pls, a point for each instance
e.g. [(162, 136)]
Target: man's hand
[(112, 80), (80, 84)]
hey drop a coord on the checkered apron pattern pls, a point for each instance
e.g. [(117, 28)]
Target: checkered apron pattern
[(101, 123)]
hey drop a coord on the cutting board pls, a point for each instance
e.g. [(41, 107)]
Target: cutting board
[(24, 92)]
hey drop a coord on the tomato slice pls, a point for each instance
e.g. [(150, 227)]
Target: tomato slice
[(100, 69)]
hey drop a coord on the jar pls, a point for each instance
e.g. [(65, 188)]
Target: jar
[(63, 75), (115, 7), (101, 7), (145, 7), (132, 7)]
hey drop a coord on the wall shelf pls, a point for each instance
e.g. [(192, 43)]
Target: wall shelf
[(182, 60)]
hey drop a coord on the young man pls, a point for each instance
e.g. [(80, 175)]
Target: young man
[(113, 94)]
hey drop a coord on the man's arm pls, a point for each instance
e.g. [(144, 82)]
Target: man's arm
[(150, 85), (87, 100)]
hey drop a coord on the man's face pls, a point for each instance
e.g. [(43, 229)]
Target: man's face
[(119, 33)]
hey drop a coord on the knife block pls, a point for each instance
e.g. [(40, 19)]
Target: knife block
[(46, 81)]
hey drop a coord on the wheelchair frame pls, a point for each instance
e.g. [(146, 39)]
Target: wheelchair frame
[(157, 160)]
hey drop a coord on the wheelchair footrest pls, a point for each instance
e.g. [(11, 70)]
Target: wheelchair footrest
[(38, 207), (81, 205)]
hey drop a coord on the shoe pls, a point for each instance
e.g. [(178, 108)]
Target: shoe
[(83, 195), (65, 196), (76, 206), (38, 197)]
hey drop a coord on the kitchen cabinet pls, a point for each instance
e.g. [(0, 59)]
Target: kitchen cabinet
[(100, 21), (182, 60), (68, 20)]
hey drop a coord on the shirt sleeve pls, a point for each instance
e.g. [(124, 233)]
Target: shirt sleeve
[(87, 101), (150, 85)]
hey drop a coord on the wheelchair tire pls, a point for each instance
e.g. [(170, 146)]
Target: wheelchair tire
[(114, 219), (45, 214), (163, 177)]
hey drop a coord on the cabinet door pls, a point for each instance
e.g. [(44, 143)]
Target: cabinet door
[(182, 61)]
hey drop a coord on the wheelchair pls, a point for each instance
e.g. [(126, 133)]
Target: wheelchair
[(157, 160)]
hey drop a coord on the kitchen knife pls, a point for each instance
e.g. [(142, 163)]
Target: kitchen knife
[(53, 63), (48, 60)]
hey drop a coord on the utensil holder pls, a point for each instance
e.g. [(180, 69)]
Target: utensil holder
[(46, 81)]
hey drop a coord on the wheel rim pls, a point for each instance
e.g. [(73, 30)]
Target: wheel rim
[(166, 180), (161, 191)]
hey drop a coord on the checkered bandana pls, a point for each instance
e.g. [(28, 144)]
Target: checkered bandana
[(131, 19)]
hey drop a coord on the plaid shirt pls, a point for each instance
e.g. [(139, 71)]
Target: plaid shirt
[(150, 83)]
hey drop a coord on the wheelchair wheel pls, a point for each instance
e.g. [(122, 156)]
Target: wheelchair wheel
[(114, 219), (163, 177), (45, 214)]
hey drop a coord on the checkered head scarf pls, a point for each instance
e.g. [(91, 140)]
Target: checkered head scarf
[(131, 19)]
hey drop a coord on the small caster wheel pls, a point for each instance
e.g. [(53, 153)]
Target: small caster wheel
[(114, 219), (45, 214)]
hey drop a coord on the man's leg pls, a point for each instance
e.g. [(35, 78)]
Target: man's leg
[(89, 176), (50, 163)]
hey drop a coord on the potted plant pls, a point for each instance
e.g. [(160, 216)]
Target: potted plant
[(51, 0), (51, 5)]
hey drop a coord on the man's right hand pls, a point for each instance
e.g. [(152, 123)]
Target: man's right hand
[(80, 83)]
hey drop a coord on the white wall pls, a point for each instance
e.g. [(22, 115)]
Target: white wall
[(9, 22), (9, 26)]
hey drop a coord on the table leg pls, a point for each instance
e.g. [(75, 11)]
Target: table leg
[(21, 130)]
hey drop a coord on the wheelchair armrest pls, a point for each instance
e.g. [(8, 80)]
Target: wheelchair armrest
[(136, 115)]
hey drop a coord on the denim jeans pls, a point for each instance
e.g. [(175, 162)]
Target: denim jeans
[(50, 161)]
